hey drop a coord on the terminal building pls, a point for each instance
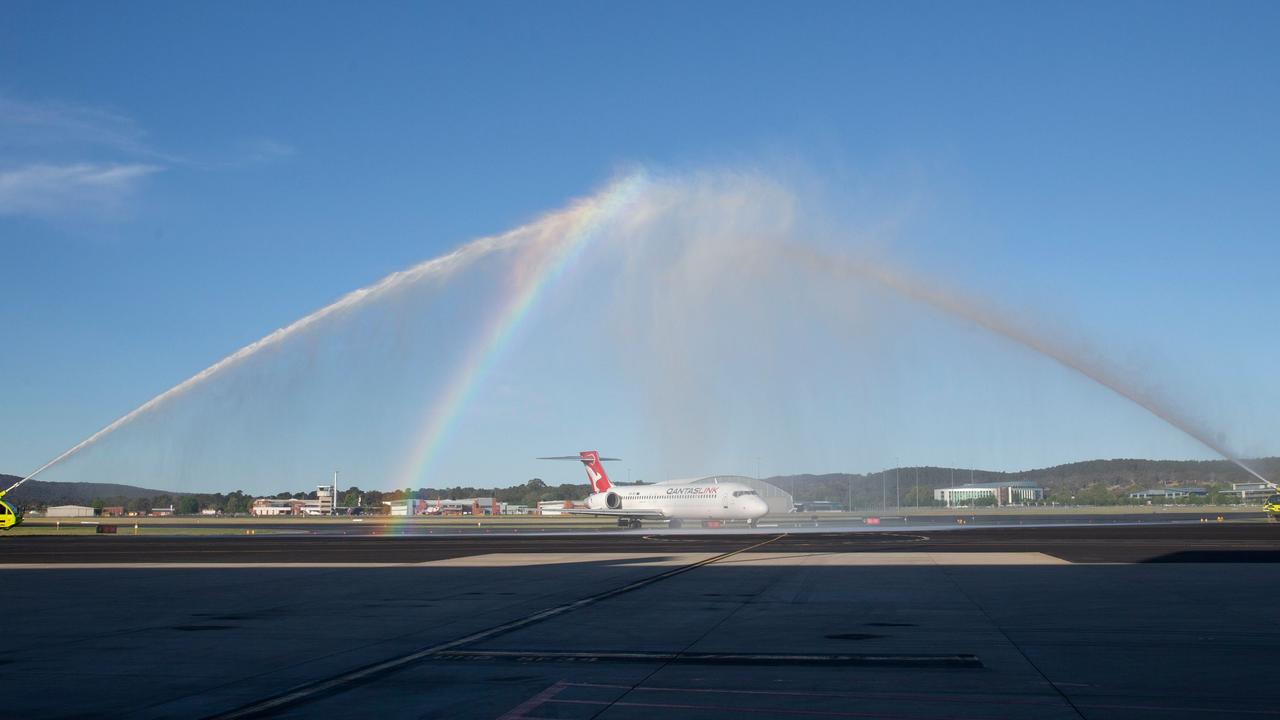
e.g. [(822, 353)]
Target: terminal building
[(1013, 492), (324, 504), (1251, 491)]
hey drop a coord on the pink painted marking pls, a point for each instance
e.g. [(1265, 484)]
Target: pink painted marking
[(520, 711)]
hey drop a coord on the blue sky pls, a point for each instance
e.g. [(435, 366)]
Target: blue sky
[(179, 180)]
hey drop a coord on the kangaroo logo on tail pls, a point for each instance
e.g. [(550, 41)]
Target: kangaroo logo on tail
[(595, 471)]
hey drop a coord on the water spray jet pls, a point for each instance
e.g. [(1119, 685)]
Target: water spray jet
[(553, 240), (549, 236), (956, 304)]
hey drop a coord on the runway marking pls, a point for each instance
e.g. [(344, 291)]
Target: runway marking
[(633, 559), (859, 660), (860, 559), (546, 697), (835, 695), (922, 697), (772, 711), (310, 691)]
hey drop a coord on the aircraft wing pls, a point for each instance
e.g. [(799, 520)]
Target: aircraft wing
[(639, 514)]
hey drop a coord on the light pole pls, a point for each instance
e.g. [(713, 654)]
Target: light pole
[(897, 487)]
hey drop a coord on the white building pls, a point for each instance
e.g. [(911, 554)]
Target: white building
[(556, 507), (69, 511), (1255, 491), (277, 506), (1012, 492), (326, 500), (463, 506), (406, 508), (1169, 493)]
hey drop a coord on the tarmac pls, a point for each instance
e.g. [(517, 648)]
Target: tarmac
[(1106, 621)]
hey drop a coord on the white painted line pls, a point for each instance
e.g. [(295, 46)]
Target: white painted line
[(308, 691), (485, 560), (646, 559)]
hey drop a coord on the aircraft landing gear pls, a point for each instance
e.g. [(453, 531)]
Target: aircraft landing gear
[(673, 524), (753, 522), (630, 523)]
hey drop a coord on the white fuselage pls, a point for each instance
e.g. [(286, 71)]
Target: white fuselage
[(722, 501)]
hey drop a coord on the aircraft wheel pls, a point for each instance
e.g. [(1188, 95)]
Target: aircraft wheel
[(673, 524), (752, 523)]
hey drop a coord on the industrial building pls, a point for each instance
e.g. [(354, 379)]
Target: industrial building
[(557, 507), (406, 508), (463, 506), (1251, 491), (1168, 493), (819, 506), (1012, 492), (69, 511)]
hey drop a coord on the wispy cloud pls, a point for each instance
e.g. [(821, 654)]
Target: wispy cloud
[(48, 190), (248, 153), (27, 126), (61, 158)]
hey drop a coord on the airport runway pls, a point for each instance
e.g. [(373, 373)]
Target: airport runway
[(1192, 542), (793, 523), (1116, 621)]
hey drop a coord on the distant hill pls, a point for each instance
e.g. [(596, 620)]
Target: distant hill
[(39, 492), (1090, 481)]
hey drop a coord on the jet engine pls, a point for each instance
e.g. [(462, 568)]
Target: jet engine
[(613, 501)]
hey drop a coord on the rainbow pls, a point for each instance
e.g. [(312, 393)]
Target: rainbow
[(537, 270)]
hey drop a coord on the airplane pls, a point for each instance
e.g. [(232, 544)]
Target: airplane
[(668, 502)]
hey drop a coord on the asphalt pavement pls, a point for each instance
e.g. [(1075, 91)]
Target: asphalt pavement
[(1110, 542), (1112, 621)]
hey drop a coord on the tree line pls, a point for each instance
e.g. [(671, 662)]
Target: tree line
[(529, 493)]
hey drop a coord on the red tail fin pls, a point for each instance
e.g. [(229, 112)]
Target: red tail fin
[(595, 471)]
